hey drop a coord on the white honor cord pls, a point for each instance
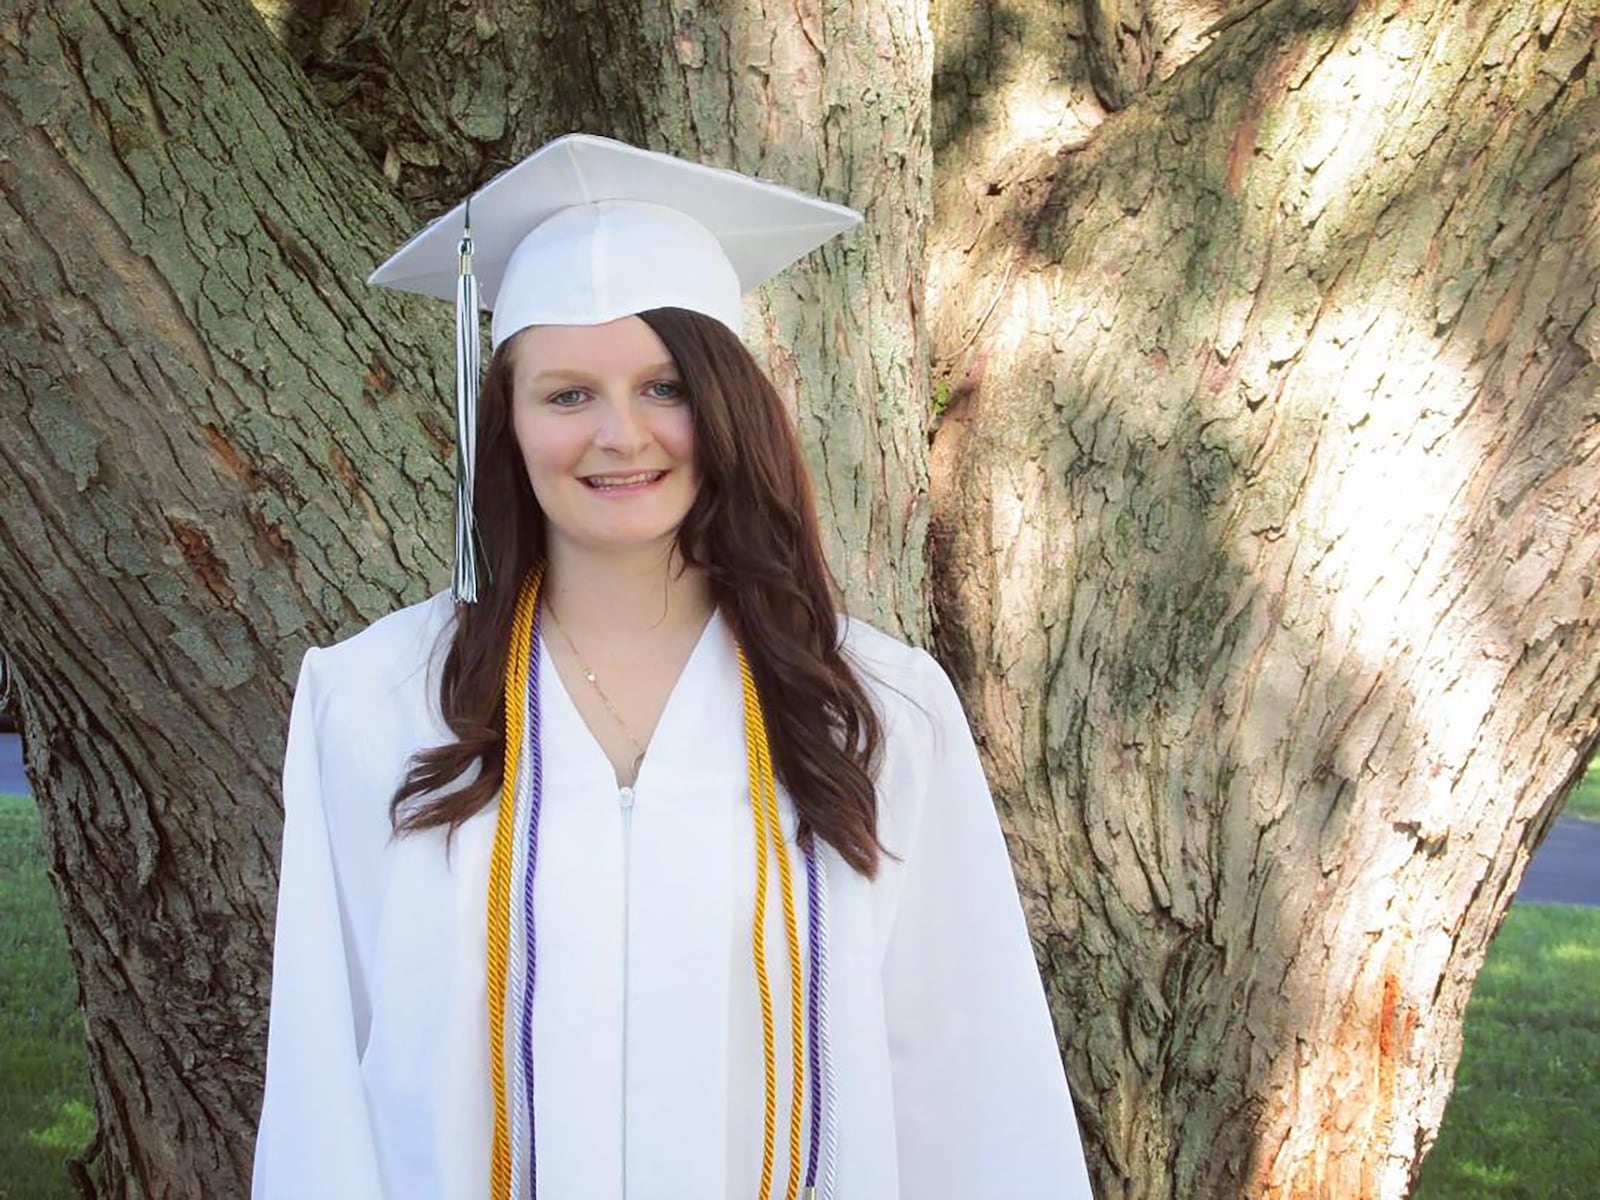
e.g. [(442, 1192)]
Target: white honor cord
[(830, 1095), (521, 1184)]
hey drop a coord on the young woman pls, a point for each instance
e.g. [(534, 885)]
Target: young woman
[(645, 874)]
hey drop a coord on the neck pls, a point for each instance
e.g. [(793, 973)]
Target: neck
[(601, 593)]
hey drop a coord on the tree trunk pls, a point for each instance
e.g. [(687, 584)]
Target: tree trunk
[(1266, 536), (191, 376), (218, 446)]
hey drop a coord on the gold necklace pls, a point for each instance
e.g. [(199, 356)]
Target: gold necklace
[(633, 772)]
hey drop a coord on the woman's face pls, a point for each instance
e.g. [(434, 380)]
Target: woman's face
[(606, 433)]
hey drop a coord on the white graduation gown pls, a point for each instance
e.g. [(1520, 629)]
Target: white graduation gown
[(647, 1034)]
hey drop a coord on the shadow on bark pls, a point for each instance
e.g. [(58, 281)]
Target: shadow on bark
[(979, 44), (1269, 485), (391, 74)]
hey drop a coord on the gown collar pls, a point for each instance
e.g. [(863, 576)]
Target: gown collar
[(700, 726)]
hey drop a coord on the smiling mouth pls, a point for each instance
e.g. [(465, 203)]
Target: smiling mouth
[(619, 483)]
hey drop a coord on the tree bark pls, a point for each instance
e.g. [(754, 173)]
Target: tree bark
[(219, 446), (1265, 542), (191, 376)]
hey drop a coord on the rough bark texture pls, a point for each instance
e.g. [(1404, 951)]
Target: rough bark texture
[(219, 445), (208, 460), (1266, 537)]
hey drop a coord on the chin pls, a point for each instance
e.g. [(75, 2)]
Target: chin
[(625, 541)]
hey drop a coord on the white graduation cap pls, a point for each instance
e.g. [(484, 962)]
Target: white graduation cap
[(586, 230)]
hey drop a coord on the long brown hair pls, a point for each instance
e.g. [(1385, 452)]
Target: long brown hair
[(752, 528)]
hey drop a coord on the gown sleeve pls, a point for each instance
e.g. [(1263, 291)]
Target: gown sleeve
[(982, 1110), (314, 1138)]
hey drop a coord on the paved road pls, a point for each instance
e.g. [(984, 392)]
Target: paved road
[(12, 780), (1566, 870)]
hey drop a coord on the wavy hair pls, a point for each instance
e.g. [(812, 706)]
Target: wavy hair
[(752, 528)]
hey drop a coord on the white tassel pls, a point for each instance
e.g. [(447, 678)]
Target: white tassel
[(464, 588)]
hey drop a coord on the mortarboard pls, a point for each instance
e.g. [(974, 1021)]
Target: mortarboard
[(586, 230)]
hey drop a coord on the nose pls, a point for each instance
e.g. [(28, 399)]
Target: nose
[(623, 430)]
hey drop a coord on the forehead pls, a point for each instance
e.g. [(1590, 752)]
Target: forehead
[(620, 345)]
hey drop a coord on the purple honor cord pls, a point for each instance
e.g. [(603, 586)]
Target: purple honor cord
[(535, 767)]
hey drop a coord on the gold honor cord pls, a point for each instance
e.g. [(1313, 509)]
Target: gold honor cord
[(754, 738), (500, 880), (764, 809), (792, 933)]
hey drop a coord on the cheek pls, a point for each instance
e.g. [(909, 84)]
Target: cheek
[(676, 435), (544, 446), (520, 430)]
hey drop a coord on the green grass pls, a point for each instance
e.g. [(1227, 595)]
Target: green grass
[(46, 1114), (1585, 799), (1521, 1122)]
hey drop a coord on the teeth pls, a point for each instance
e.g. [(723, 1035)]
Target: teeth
[(604, 481)]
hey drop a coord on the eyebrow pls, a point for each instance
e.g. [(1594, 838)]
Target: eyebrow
[(574, 373)]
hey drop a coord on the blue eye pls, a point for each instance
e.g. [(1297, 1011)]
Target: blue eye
[(666, 389), (570, 398)]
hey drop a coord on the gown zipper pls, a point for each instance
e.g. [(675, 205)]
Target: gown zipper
[(625, 799)]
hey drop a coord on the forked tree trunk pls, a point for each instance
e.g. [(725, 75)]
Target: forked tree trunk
[(1265, 496), (219, 445), (1266, 537)]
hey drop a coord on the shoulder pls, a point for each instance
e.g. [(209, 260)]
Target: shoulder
[(877, 657), (904, 680), (929, 761), (401, 649)]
